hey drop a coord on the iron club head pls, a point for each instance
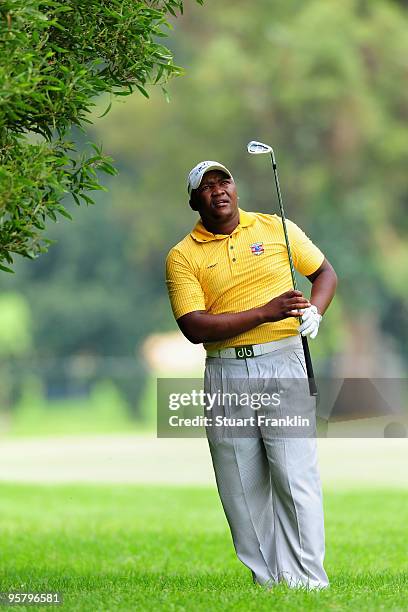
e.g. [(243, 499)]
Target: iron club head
[(258, 148)]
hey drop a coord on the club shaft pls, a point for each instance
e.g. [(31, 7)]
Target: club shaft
[(305, 344), (282, 212)]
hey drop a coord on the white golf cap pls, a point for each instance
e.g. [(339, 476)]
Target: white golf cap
[(197, 173)]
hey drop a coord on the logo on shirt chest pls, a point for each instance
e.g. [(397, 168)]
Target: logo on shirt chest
[(257, 248)]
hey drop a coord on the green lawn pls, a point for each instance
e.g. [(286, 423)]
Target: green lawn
[(104, 411), (168, 548)]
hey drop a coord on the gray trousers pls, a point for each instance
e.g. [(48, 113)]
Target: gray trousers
[(269, 482)]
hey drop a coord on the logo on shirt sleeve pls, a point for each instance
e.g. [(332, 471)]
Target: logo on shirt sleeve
[(257, 248)]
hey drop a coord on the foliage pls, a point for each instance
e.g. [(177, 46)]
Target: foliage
[(87, 307), (103, 412), (56, 57), (325, 84), (15, 326)]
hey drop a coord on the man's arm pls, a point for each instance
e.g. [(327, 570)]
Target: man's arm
[(324, 283), (199, 326)]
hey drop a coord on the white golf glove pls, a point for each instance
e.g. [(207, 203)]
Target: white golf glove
[(310, 322)]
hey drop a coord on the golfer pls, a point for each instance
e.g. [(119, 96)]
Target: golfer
[(230, 288)]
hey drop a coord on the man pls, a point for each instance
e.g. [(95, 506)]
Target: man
[(229, 285)]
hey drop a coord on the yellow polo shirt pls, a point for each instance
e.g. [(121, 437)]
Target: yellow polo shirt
[(230, 273)]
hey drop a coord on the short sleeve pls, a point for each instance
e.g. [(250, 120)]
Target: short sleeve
[(185, 292), (307, 257)]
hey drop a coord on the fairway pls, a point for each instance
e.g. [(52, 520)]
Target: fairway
[(169, 548)]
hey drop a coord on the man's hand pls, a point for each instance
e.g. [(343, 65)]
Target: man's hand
[(310, 322), (288, 304)]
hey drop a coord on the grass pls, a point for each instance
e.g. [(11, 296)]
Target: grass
[(169, 548), (104, 411)]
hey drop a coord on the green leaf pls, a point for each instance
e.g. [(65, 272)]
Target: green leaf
[(64, 212), (5, 269), (106, 111), (142, 90)]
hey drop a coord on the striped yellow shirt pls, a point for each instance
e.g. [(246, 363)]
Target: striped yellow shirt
[(230, 273)]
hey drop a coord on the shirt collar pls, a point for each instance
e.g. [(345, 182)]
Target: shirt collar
[(200, 234)]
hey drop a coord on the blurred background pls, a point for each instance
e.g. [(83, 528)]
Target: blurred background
[(86, 329)]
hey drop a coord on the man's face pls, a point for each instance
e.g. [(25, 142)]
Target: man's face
[(216, 198)]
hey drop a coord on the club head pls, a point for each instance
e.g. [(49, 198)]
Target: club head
[(258, 148)]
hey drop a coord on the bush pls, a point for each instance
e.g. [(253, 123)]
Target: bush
[(56, 57)]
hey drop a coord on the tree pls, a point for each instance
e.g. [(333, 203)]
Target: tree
[(57, 56), (325, 83), (322, 83)]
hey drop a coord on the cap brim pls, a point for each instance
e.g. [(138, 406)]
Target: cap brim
[(199, 178)]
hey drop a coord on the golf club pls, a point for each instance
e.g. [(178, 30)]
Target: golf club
[(259, 148)]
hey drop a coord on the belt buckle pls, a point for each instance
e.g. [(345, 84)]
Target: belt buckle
[(243, 352)]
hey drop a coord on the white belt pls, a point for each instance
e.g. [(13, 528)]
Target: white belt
[(254, 350)]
